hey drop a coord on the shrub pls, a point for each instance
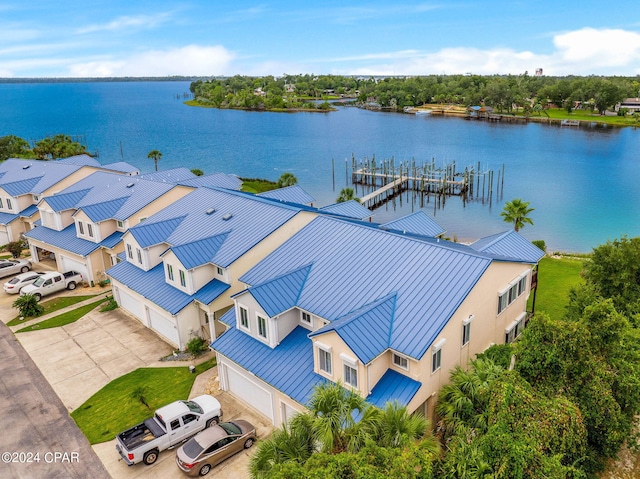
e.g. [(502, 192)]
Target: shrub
[(109, 305), (28, 306), (15, 248), (540, 244), (197, 346)]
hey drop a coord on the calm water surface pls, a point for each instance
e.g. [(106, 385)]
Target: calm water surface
[(583, 183)]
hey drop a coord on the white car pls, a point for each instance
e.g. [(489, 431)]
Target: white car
[(14, 266), (23, 279)]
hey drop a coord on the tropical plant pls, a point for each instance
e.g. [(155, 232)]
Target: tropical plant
[(347, 194), (28, 306), (155, 155), (516, 211), (140, 394), (197, 171), (12, 146), (58, 146), (197, 346), (286, 179), (15, 248)]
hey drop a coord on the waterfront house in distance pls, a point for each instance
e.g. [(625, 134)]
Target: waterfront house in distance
[(631, 104), (385, 313), (24, 182)]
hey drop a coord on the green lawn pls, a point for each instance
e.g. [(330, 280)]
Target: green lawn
[(585, 115), (64, 318), (53, 305), (113, 409), (257, 185), (556, 276)]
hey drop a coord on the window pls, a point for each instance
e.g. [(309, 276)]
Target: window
[(36, 198), (219, 271), (400, 361), (306, 318), (515, 329), (170, 272), (513, 293), (324, 360), (436, 355), (1, 205), (515, 289), (90, 229), (129, 251), (183, 279), (187, 418), (175, 424), (502, 302), (244, 317), (139, 253), (522, 285), (9, 206), (262, 326), (120, 224), (350, 375), (466, 330), (81, 227)]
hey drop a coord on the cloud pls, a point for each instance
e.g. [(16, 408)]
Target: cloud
[(189, 60), (128, 22), (602, 47)]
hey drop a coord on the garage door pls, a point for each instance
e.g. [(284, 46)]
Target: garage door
[(69, 264), (131, 304), (250, 392), (4, 237), (165, 326)]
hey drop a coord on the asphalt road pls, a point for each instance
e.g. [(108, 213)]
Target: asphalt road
[(38, 439)]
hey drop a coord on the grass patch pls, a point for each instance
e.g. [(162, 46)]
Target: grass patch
[(53, 305), (64, 318), (113, 409), (556, 277), (257, 185)]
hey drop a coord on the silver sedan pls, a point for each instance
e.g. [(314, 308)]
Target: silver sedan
[(14, 266), (16, 283)]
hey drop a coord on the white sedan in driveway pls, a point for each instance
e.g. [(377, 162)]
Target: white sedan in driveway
[(14, 266), (15, 285)]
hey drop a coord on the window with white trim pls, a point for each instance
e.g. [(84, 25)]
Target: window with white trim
[(512, 292), (244, 317), (81, 227), (139, 253), (9, 205), (324, 360), (400, 361), (1, 205), (120, 224), (170, 272), (262, 326), (305, 318), (522, 284), (90, 229), (466, 330), (220, 271), (515, 329), (129, 251), (350, 375), (183, 279), (436, 355)]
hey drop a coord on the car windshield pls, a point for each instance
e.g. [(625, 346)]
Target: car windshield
[(230, 428), (193, 407), (39, 281), (192, 448)]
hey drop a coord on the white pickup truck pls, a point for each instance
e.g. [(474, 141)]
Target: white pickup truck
[(169, 427), (51, 282)]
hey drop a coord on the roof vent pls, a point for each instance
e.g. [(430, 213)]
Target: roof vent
[(210, 211), (129, 185), (227, 216), (25, 167)]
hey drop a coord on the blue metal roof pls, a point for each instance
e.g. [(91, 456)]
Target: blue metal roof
[(206, 212), (6, 218), (288, 368), (29, 211), (65, 239), (351, 208), (291, 194), (417, 223), (152, 233), (122, 167), (49, 173), (66, 201), (375, 318), (80, 160), (152, 285), (221, 180), (281, 293), (200, 251), (21, 187), (356, 265), (393, 386), (510, 245), (104, 210), (172, 176)]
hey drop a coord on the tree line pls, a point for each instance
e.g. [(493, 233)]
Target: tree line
[(502, 92), (49, 148)]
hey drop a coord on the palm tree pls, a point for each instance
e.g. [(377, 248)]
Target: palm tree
[(155, 155), (347, 194), (516, 211), (287, 179), (397, 428)]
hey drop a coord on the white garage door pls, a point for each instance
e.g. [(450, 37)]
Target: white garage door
[(4, 238), (69, 264), (250, 392), (131, 304), (165, 326)]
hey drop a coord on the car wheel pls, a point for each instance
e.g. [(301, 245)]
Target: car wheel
[(248, 443), (204, 470), (38, 296), (212, 421), (71, 286), (24, 269), (150, 457)]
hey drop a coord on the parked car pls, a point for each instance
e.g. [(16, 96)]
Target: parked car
[(203, 451), (23, 279), (51, 282), (171, 425), (14, 266)]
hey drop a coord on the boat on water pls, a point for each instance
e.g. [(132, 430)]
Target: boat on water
[(423, 112)]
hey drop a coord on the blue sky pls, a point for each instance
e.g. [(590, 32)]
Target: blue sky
[(69, 38)]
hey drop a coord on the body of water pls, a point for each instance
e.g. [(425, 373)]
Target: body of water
[(583, 183)]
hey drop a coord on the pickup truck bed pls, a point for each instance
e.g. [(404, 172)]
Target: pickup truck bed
[(143, 432)]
